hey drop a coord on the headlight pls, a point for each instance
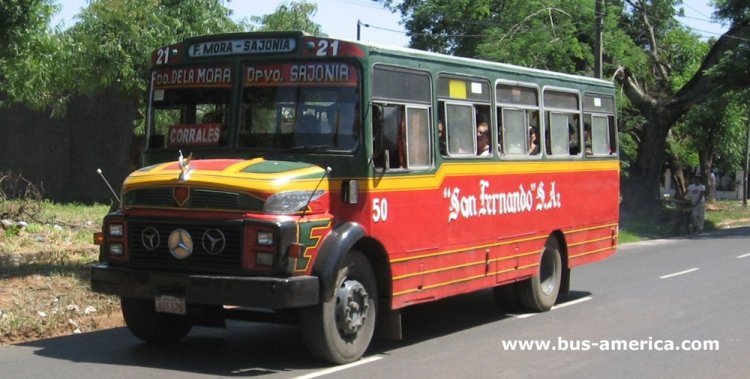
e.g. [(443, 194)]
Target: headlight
[(265, 238), (290, 201), (115, 249), (116, 230)]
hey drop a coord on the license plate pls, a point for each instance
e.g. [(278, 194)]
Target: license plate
[(171, 304)]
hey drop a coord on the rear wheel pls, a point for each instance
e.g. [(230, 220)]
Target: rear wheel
[(539, 293), (148, 325), (340, 329)]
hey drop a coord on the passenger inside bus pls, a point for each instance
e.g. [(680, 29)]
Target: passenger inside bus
[(441, 137), (533, 141), (483, 139)]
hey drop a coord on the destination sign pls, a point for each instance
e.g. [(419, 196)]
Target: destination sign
[(182, 77), (301, 73), (194, 135), (242, 46)]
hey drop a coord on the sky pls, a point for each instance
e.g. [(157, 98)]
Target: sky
[(338, 18)]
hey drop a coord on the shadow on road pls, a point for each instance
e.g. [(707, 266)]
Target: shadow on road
[(254, 349)]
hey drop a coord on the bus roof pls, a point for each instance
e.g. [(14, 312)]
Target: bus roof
[(406, 51)]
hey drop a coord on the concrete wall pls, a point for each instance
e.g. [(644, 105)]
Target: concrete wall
[(62, 155)]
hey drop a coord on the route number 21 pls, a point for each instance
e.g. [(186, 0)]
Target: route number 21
[(379, 210), (326, 48)]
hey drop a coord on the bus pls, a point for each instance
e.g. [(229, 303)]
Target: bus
[(333, 183)]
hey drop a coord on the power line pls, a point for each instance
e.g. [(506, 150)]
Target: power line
[(696, 10)]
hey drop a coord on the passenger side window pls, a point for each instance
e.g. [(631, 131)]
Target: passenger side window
[(518, 112), (563, 135), (599, 130), (402, 118), (464, 113)]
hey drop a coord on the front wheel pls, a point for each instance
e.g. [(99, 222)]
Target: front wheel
[(148, 325), (340, 329), (539, 293)]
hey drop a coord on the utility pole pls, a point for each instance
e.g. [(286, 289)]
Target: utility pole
[(599, 20), (359, 24), (747, 162)]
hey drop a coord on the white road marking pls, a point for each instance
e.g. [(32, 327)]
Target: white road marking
[(569, 303), (678, 273), (743, 256), (340, 368), (558, 306)]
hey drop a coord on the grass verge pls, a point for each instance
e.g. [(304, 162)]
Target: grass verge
[(44, 275)]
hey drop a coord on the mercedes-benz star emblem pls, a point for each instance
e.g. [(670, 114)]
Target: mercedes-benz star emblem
[(150, 238), (180, 243), (214, 241)]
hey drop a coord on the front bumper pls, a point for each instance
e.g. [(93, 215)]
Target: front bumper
[(262, 292)]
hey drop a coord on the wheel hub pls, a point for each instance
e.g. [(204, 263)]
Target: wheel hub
[(351, 307)]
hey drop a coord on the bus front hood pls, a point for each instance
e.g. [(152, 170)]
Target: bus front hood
[(255, 185)]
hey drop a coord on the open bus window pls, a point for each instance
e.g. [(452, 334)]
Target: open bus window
[(596, 134), (599, 130), (402, 136), (300, 118), (189, 117), (563, 135)]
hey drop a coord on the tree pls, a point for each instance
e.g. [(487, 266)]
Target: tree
[(654, 56), (21, 21), (109, 48), (292, 16), (661, 107), (24, 41)]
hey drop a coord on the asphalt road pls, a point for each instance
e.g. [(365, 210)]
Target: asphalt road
[(631, 316)]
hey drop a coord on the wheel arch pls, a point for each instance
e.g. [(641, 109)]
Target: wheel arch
[(337, 244)]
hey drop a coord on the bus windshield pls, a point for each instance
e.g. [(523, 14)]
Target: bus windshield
[(301, 107), (295, 107), (190, 106)]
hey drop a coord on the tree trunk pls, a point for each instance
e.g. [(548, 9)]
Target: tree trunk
[(646, 175)]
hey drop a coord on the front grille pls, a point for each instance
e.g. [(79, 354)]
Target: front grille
[(153, 197), (196, 198), (200, 261), (214, 199)]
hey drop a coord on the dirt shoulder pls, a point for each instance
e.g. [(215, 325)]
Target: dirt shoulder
[(40, 298)]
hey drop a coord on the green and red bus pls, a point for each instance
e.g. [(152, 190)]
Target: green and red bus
[(335, 183)]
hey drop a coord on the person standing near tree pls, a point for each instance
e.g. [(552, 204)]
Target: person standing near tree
[(696, 192)]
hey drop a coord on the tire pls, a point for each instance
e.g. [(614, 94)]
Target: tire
[(327, 331), (148, 325), (539, 293)]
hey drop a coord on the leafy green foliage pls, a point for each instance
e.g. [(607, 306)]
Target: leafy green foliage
[(113, 41), (21, 22), (110, 47), (292, 16)]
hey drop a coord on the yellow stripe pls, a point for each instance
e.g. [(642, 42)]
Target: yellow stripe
[(590, 228), (461, 250), (503, 271), (496, 244), (464, 265), (526, 254), (590, 241), (591, 252), (442, 269), (462, 280), (433, 181)]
